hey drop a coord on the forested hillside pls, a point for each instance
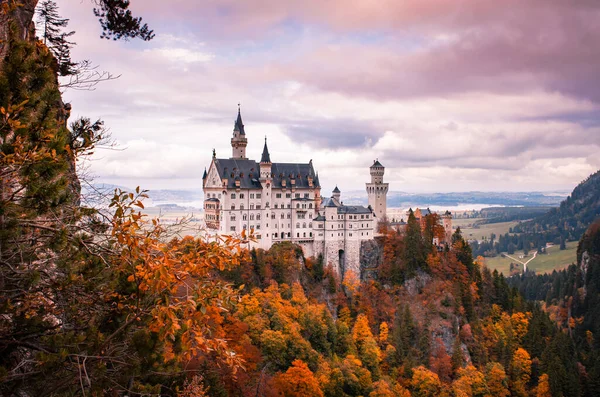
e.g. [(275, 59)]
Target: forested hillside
[(572, 218)]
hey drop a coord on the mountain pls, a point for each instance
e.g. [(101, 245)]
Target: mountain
[(573, 217)]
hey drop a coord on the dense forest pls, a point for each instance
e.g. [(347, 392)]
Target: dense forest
[(106, 303)]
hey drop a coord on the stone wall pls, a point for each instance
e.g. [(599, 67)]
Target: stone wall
[(371, 257)]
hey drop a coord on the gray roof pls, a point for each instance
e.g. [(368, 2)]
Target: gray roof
[(248, 173), (266, 158), (239, 125), (213, 199), (353, 209), (205, 174), (319, 218), (336, 190), (376, 163)]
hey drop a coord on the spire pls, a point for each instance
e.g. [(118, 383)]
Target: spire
[(239, 125), (336, 190), (205, 174), (266, 158)]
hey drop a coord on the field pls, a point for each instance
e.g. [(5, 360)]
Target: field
[(553, 259), (470, 231)]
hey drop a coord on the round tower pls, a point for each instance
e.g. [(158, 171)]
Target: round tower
[(377, 191)]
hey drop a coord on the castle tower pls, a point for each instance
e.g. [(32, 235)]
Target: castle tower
[(239, 141), (447, 222), (377, 191), (336, 194), (266, 181)]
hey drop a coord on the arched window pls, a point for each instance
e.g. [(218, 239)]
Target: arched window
[(233, 206), (241, 206), (310, 234), (298, 225), (232, 195), (304, 225), (251, 217), (310, 205), (245, 217), (258, 217), (282, 216), (297, 205)]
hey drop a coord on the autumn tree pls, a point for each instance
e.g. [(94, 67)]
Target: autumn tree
[(425, 383), (298, 381), (366, 345)]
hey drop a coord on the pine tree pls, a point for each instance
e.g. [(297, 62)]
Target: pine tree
[(51, 25)]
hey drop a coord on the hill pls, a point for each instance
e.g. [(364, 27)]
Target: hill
[(572, 218)]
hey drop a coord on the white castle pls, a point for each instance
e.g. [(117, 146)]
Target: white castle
[(282, 202)]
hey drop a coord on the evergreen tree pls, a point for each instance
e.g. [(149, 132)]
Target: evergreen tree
[(414, 254), (51, 25)]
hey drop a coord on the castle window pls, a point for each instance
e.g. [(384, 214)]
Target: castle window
[(332, 228), (241, 195), (304, 225), (350, 226), (232, 217), (310, 225), (232, 195), (350, 234), (297, 195), (233, 206), (304, 234), (251, 195), (257, 206), (232, 228), (288, 195), (251, 217), (258, 236), (289, 234), (310, 205), (278, 195), (298, 225), (272, 216), (362, 217), (251, 206), (241, 206), (257, 227), (297, 205), (305, 195), (282, 216), (275, 206), (258, 195), (304, 206), (245, 226), (297, 234), (289, 206), (320, 226), (277, 226), (267, 205), (275, 235), (310, 234), (245, 217), (258, 217)]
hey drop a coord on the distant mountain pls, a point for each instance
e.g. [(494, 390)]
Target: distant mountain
[(574, 215), (403, 199)]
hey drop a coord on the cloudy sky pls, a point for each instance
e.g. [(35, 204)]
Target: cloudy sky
[(449, 95)]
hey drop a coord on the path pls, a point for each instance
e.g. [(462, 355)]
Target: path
[(522, 263)]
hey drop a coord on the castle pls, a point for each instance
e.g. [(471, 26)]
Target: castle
[(282, 202)]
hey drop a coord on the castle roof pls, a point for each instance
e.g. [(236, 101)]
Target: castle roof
[(336, 190), (353, 209), (319, 218), (248, 173), (239, 125), (265, 158), (376, 163), (205, 174)]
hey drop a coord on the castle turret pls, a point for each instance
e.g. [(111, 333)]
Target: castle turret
[(336, 194), (239, 141), (377, 190), (447, 222)]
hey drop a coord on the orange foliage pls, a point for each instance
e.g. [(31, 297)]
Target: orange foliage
[(298, 381)]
